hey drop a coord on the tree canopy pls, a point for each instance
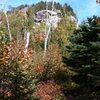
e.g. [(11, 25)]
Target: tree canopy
[(84, 55)]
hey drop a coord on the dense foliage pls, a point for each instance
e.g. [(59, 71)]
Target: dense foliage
[(84, 56), (68, 71)]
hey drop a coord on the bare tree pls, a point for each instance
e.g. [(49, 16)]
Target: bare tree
[(8, 26), (47, 32), (10, 37)]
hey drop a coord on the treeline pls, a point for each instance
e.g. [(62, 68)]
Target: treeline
[(42, 5)]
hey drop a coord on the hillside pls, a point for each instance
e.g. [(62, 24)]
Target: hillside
[(45, 56)]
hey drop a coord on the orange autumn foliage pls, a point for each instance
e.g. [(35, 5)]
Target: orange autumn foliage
[(47, 90), (15, 49)]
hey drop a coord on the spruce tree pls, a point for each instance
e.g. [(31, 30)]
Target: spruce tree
[(84, 55)]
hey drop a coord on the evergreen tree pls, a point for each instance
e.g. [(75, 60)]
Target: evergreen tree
[(15, 84), (17, 81), (84, 55)]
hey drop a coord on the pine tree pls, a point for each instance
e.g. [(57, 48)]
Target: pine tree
[(84, 55)]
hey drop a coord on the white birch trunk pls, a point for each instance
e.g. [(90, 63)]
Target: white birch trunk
[(26, 38), (52, 5), (46, 40), (47, 34), (8, 26)]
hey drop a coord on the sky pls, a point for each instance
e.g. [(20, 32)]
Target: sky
[(82, 8)]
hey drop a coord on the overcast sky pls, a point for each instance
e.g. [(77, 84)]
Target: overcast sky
[(82, 8)]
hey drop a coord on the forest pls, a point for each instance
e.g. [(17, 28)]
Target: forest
[(40, 62)]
